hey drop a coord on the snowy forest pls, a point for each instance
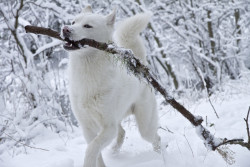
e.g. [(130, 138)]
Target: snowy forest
[(199, 50)]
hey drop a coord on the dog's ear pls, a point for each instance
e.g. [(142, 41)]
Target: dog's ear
[(87, 9), (111, 18)]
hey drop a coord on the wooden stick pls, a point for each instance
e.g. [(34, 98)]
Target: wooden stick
[(43, 31), (142, 72)]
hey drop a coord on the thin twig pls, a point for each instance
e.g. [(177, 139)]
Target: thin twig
[(189, 145), (206, 121), (246, 120), (166, 129), (198, 71), (25, 144), (234, 142), (213, 107)]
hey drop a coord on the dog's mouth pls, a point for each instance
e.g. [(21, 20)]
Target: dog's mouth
[(70, 45)]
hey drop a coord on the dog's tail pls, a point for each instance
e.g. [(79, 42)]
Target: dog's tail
[(127, 34)]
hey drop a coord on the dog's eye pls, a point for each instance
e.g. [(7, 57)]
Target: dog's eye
[(73, 22), (87, 26)]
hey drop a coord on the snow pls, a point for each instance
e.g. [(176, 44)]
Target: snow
[(47, 46), (183, 147)]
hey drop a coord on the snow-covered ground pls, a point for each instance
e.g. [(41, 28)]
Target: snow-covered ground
[(185, 148)]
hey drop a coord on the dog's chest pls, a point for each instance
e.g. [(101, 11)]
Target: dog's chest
[(90, 76)]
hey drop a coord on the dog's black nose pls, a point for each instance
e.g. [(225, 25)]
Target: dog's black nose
[(66, 31)]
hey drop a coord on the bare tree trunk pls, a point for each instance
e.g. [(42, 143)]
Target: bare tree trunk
[(210, 32), (166, 66), (238, 30)]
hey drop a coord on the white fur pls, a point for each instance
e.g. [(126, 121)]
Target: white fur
[(101, 92)]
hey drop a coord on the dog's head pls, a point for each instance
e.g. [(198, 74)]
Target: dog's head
[(91, 26)]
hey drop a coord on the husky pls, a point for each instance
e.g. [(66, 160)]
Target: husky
[(102, 93)]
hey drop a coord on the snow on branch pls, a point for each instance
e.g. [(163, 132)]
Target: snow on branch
[(143, 72)]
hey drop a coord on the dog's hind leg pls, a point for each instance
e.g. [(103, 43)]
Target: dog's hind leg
[(119, 139), (147, 118)]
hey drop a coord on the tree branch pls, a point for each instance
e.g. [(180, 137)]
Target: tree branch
[(13, 29), (142, 72)]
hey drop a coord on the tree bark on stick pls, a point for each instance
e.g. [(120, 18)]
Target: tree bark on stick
[(142, 72)]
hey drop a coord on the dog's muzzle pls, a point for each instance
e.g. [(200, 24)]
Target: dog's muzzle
[(68, 45), (66, 32)]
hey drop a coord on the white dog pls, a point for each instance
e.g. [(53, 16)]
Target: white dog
[(102, 93)]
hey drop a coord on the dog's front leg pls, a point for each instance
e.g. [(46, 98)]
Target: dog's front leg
[(89, 134), (98, 143)]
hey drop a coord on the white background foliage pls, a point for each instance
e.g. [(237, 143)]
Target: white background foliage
[(197, 48)]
